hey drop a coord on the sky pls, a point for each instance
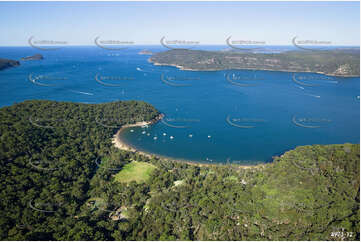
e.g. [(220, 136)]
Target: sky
[(276, 23)]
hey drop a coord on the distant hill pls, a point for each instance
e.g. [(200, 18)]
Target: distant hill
[(6, 63), (338, 62)]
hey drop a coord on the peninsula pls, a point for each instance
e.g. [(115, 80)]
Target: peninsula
[(6, 63), (337, 62), (309, 193)]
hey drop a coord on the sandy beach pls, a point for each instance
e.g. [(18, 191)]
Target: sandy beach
[(119, 143)]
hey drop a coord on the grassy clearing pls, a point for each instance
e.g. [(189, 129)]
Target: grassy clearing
[(231, 179), (135, 171)]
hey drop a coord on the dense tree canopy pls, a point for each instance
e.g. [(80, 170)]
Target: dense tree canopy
[(57, 183)]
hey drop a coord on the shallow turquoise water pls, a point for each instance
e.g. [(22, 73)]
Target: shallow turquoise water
[(240, 116)]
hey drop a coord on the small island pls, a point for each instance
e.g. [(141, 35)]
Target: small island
[(337, 62), (145, 52), (33, 57), (6, 63)]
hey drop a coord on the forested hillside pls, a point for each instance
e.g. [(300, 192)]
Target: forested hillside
[(336, 62), (58, 170)]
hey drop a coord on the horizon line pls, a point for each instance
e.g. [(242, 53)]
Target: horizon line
[(129, 46)]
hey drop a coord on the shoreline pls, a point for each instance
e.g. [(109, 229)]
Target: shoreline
[(119, 143), (182, 68)]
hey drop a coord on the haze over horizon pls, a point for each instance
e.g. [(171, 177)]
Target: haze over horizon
[(209, 23)]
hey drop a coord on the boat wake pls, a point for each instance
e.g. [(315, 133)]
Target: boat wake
[(85, 93)]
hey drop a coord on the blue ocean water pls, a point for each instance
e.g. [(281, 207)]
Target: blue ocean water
[(214, 117)]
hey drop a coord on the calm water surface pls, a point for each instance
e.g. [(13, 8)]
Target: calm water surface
[(237, 116)]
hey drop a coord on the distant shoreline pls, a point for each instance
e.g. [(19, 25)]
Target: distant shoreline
[(119, 143), (182, 68)]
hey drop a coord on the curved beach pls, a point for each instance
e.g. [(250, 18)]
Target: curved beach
[(119, 143)]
